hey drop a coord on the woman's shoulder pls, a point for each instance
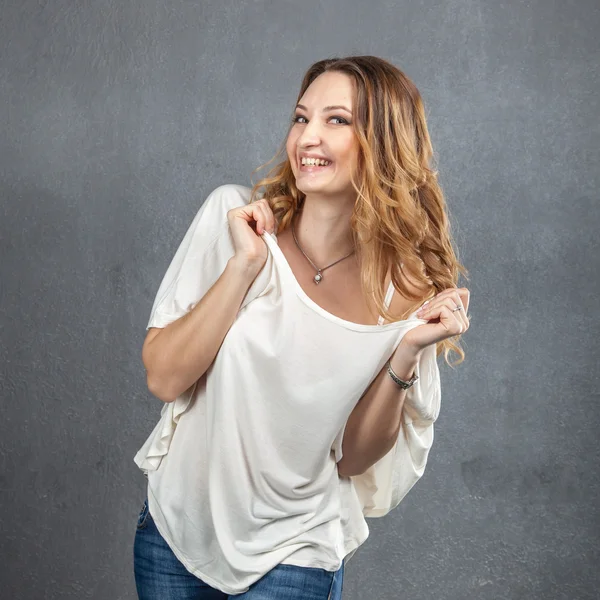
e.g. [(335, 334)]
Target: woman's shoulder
[(213, 210), (230, 194)]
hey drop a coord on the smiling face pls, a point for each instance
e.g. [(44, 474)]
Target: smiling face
[(319, 131)]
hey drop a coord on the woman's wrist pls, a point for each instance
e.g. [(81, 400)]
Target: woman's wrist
[(404, 361)]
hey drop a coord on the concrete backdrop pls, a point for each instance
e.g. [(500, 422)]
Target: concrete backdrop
[(117, 120)]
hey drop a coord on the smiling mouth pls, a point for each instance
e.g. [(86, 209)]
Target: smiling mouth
[(313, 168)]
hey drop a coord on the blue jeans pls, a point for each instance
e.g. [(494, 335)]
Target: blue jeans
[(159, 575)]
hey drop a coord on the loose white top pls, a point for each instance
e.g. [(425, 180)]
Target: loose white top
[(241, 467)]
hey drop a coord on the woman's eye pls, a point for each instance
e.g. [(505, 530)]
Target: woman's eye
[(295, 119)]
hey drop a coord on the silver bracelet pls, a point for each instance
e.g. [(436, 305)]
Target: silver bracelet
[(403, 384)]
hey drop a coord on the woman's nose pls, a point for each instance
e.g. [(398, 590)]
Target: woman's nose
[(310, 135)]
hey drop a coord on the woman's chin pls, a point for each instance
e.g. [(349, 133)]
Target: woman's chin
[(306, 185)]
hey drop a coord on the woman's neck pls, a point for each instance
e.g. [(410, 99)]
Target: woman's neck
[(323, 230)]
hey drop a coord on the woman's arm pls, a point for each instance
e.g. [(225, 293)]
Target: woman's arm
[(374, 425), (180, 353)]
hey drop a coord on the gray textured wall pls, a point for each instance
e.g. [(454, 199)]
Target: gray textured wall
[(118, 118)]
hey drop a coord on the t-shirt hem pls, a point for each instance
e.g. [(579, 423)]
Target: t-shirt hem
[(350, 548), (315, 564), (154, 508), (157, 516)]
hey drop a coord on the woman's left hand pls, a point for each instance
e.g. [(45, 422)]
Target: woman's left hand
[(444, 321)]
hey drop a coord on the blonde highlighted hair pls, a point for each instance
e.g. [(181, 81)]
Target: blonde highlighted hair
[(399, 221)]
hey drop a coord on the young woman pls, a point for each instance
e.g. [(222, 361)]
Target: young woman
[(299, 375)]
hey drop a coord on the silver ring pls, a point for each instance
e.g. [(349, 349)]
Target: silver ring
[(457, 308)]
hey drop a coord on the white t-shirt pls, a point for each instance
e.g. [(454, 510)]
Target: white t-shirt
[(241, 467)]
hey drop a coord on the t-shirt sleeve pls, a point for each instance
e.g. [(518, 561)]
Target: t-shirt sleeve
[(383, 485), (201, 258)]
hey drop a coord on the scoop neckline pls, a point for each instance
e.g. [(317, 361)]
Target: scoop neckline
[(278, 254)]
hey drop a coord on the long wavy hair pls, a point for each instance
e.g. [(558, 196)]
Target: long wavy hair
[(400, 220)]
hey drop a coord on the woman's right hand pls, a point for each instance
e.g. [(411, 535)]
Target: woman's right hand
[(247, 224)]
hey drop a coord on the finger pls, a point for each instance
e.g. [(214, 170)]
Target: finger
[(258, 214), (447, 319), (449, 305), (452, 303), (439, 296), (458, 294), (455, 322), (267, 222), (451, 291), (464, 292), (459, 311), (465, 297), (434, 302)]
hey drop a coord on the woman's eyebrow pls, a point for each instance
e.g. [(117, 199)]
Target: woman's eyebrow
[(327, 108)]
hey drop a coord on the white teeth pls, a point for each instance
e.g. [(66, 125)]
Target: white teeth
[(315, 161)]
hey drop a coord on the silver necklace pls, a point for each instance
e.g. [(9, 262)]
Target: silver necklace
[(319, 276)]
